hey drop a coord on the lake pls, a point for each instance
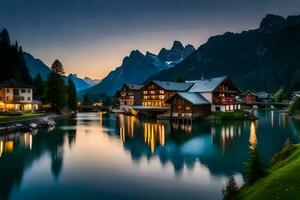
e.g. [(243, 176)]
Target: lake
[(107, 156)]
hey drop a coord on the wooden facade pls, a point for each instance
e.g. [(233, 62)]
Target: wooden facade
[(185, 109), (130, 95), (155, 96), (249, 97)]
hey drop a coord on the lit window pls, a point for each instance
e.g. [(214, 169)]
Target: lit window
[(187, 108), (231, 107), (161, 91)]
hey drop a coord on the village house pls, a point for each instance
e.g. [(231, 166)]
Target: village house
[(249, 97), (130, 95), (189, 105), (15, 96), (155, 93), (220, 92)]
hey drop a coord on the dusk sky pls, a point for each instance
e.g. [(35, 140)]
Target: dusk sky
[(91, 37)]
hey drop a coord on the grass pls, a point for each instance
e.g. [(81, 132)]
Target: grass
[(236, 115), (25, 116), (282, 182)]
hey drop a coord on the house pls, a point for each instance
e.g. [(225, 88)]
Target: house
[(130, 95), (15, 96), (249, 97), (155, 93), (189, 105), (220, 92)]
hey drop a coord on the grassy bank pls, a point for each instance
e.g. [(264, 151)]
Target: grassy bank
[(282, 182), (25, 116), (236, 115)]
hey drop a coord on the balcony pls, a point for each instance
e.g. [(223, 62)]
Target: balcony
[(224, 101)]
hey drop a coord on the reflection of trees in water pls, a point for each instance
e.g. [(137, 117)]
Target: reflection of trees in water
[(14, 162)]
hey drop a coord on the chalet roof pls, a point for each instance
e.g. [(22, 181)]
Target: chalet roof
[(249, 92), (207, 85), (192, 97), (13, 84), (134, 86), (174, 86)]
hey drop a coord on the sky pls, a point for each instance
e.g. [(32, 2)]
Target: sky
[(91, 37)]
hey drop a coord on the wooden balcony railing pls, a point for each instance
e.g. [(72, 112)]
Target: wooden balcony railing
[(224, 100)]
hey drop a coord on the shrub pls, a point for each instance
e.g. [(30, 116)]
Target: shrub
[(286, 151), (230, 190)]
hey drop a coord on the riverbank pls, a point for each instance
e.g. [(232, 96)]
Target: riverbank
[(10, 124), (282, 181)]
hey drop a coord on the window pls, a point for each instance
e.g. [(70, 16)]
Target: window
[(22, 90), (22, 98), (7, 90), (231, 107), (218, 108), (187, 108), (29, 90), (161, 96), (28, 98), (145, 92), (152, 92), (161, 91)]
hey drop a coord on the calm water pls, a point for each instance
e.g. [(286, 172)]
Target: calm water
[(100, 156)]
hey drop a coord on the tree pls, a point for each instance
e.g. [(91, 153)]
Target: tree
[(56, 92), (230, 190), (38, 86), (4, 36), (87, 99), (57, 68), (72, 95), (295, 107), (254, 167)]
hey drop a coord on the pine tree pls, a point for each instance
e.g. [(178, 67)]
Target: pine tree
[(56, 91), (230, 190), (72, 95), (38, 86), (57, 68), (254, 167)]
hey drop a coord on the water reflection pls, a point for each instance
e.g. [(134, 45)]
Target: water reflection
[(98, 151)]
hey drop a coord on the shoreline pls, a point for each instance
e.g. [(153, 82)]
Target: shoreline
[(23, 125)]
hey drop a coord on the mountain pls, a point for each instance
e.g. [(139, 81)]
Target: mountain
[(262, 59), (79, 83), (137, 67), (90, 81), (36, 66)]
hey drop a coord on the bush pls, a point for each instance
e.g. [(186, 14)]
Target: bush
[(295, 107), (230, 190), (286, 151)]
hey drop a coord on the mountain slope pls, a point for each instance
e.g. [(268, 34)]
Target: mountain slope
[(137, 67), (261, 59), (36, 66)]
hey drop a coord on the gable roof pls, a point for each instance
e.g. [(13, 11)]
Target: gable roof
[(192, 97), (14, 84), (207, 85), (134, 86), (174, 86), (249, 92)]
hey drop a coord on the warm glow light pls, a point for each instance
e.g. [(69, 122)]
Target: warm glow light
[(154, 134), (1, 147), (253, 137), (9, 146)]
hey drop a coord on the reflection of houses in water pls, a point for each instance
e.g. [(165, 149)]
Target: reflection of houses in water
[(224, 134), (186, 126), (154, 134), (253, 137), (8, 142), (127, 126)]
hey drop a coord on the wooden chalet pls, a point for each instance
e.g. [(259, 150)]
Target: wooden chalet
[(130, 95), (189, 105), (249, 97), (155, 93), (220, 92)]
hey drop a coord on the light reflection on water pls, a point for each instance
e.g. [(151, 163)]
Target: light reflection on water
[(97, 155)]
